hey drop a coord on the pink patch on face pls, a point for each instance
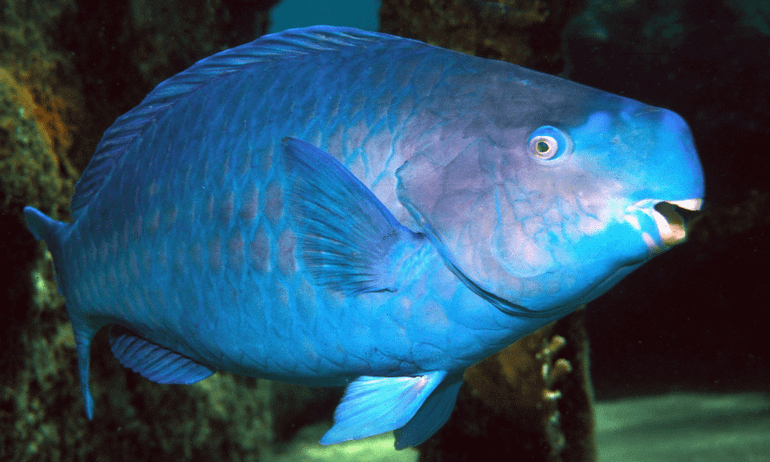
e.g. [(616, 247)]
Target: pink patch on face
[(274, 202), (235, 252), (249, 203), (259, 250), (286, 244), (215, 254)]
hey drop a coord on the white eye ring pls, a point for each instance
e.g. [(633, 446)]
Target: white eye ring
[(548, 143), (544, 147)]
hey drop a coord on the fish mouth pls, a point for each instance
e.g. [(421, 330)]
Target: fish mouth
[(668, 219)]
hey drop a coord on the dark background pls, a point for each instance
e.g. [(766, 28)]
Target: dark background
[(696, 317)]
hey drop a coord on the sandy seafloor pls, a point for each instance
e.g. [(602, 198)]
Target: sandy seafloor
[(685, 427), (676, 427)]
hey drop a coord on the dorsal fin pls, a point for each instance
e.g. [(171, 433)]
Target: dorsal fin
[(283, 45)]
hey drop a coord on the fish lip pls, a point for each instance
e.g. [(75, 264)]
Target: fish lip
[(671, 226)]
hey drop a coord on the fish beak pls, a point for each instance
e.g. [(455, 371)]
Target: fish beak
[(671, 225), (667, 217)]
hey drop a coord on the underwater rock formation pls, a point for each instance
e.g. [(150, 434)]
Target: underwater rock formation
[(35, 329), (527, 33)]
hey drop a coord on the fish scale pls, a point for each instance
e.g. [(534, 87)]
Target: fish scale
[(328, 206)]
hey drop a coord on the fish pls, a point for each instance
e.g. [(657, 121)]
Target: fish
[(335, 207)]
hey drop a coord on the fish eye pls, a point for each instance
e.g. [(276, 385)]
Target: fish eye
[(544, 147), (547, 143)]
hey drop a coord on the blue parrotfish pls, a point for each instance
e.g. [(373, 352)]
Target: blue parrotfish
[(334, 207)]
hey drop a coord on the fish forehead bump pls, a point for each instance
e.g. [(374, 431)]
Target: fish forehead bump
[(649, 150)]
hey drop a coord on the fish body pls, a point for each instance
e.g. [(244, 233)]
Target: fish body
[(329, 206)]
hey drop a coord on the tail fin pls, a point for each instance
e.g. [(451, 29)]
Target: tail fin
[(47, 229), (41, 226)]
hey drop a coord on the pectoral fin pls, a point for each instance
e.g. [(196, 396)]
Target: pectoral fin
[(373, 405), (346, 235)]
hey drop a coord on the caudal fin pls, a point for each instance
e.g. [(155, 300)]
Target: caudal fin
[(42, 227), (49, 230)]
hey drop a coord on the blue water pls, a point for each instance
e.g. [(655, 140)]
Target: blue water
[(288, 14)]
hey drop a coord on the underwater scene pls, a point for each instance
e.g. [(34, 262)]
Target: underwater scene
[(396, 230)]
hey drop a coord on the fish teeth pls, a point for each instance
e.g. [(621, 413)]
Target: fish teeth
[(688, 204), (670, 224)]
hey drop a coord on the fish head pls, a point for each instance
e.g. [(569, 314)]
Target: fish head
[(545, 202)]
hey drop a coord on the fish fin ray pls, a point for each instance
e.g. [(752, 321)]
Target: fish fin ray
[(83, 338), (129, 127), (154, 362), (374, 405), (432, 415), (346, 234)]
